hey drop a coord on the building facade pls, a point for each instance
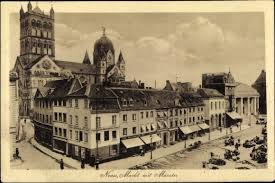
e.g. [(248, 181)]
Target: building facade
[(242, 101), (214, 107)]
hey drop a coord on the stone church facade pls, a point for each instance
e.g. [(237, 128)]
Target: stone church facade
[(37, 64)]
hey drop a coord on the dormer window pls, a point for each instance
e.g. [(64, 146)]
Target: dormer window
[(124, 102), (131, 102), (145, 102)]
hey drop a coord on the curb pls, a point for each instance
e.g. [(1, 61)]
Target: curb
[(65, 164)]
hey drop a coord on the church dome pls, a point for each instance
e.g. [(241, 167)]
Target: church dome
[(102, 46)]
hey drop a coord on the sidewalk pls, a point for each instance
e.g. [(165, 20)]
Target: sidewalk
[(132, 161), (68, 162), (161, 152)]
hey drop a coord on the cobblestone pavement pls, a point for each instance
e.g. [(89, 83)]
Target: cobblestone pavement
[(193, 159)]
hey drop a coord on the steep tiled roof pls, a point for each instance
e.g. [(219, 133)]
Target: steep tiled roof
[(86, 59), (34, 62), (120, 59), (191, 99), (209, 93), (261, 78), (76, 67)]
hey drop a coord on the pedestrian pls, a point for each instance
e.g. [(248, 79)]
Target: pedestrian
[(82, 164), (203, 164), (237, 146), (221, 129), (61, 164), (25, 121), (231, 131), (211, 154), (92, 162), (17, 152)]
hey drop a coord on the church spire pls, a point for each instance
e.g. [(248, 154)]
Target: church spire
[(86, 59)]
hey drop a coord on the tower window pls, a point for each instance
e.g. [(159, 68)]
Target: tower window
[(33, 23)]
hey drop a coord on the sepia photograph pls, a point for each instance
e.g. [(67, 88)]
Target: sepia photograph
[(137, 94)]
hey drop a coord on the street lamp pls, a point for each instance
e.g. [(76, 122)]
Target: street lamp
[(151, 146)]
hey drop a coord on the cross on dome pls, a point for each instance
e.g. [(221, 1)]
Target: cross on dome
[(103, 30)]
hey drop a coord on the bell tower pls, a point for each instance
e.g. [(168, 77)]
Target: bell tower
[(36, 34)]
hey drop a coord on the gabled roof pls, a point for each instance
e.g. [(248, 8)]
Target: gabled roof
[(34, 61), (209, 93), (242, 89), (76, 67)]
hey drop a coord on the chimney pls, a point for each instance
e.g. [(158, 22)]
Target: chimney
[(142, 86)]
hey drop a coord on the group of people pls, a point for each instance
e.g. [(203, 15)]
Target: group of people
[(92, 162)]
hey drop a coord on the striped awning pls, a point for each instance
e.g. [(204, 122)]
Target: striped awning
[(147, 138), (234, 115), (133, 142), (203, 126), (194, 128), (186, 130)]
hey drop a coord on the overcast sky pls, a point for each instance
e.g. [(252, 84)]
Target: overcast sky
[(161, 46)]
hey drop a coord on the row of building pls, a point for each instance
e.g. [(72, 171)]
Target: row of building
[(85, 109)]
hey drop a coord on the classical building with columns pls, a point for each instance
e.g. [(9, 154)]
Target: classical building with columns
[(246, 100), (242, 101)]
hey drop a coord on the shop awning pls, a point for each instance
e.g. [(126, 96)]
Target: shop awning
[(160, 125), (203, 126), (153, 126), (147, 138), (186, 130), (234, 115), (133, 142), (194, 128)]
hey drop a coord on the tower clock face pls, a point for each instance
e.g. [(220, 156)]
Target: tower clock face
[(46, 64)]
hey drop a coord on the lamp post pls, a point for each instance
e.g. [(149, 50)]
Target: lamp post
[(151, 146)]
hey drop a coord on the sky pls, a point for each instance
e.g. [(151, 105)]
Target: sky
[(164, 46)]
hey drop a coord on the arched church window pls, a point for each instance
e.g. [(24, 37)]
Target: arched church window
[(45, 25), (39, 24), (33, 23)]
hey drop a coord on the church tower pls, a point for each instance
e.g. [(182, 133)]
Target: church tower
[(121, 63), (104, 57), (36, 34)]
